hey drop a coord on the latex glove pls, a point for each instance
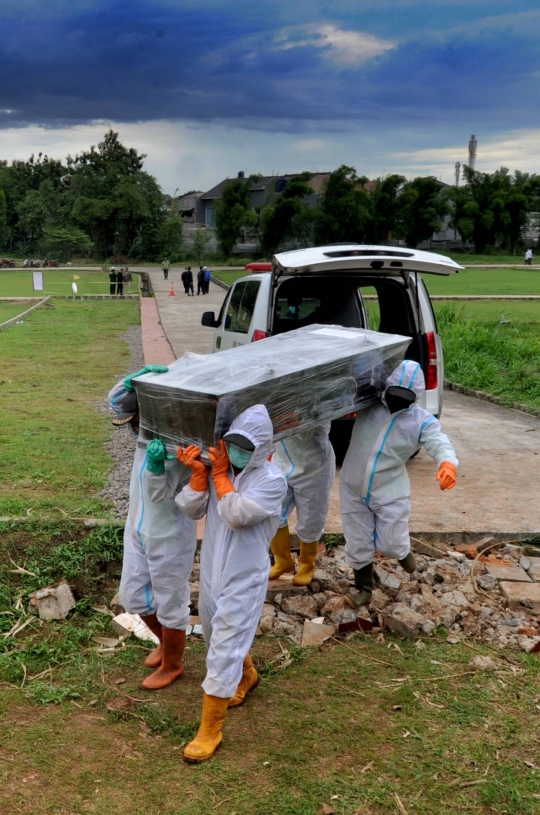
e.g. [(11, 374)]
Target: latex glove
[(155, 457), (447, 475), (189, 458), (220, 470), (148, 369)]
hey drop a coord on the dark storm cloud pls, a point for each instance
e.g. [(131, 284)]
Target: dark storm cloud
[(264, 66)]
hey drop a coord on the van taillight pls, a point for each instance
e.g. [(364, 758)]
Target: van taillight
[(432, 379), (258, 335)]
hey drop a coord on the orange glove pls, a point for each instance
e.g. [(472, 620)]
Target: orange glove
[(447, 475), (199, 477), (220, 470)]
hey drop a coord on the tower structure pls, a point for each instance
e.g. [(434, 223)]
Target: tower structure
[(473, 144)]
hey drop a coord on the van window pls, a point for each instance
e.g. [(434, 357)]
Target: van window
[(372, 306), (241, 307), (304, 301)]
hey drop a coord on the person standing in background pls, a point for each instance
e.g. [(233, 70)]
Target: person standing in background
[(165, 265), (207, 278), (528, 257), (112, 280), (120, 282), (200, 280), (128, 279)]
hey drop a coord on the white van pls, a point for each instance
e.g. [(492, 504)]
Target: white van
[(377, 287)]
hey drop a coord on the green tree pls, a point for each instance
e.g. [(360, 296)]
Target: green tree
[(114, 200), (287, 216), (65, 241), (171, 236), (201, 239), (421, 208), (233, 213), (384, 200), (344, 208), (4, 231)]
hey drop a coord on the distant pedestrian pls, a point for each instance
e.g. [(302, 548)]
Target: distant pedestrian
[(127, 279), (187, 280), (207, 278), (120, 282), (112, 280), (165, 265), (528, 257), (200, 280)]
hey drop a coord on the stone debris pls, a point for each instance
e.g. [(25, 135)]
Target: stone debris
[(314, 633), (483, 663), (53, 602), (531, 645), (491, 599), (126, 624)]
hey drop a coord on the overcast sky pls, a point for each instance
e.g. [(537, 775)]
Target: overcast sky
[(210, 87)]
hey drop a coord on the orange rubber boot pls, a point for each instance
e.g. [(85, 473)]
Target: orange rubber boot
[(209, 737), (174, 642), (250, 680), (153, 660), (281, 549)]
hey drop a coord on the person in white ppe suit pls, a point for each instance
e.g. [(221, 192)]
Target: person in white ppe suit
[(242, 501), (308, 463), (374, 485), (159, 543)]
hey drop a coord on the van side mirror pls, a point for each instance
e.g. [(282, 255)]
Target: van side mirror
[(209, 319)]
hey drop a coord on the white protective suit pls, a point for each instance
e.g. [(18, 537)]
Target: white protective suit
[(159, 540), (234, 555), (375, 489), (308, 463)]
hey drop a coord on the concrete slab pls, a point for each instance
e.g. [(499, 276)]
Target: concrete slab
[(522, 595), (156, 346), (534, 569), (513, 573), (497, 488)]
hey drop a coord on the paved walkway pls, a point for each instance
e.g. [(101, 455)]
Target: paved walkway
[(498, 449)]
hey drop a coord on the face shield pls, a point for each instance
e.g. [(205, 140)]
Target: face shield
[(399, 398)]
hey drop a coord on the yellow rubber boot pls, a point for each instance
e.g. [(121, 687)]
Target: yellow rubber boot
[(250, 680), (308, 556), (281, 549), (209, 737)]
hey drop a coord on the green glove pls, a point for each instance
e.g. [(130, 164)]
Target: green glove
[(155, 457), (148, 369)]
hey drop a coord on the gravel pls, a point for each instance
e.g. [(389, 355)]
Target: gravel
[(122, 444)]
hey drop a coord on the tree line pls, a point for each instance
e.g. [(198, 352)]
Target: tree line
[(102, 203), (489, 210)]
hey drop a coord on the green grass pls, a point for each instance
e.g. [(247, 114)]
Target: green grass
[(467, 259), (469, 281), (486, 281), (493, 347), (9, 310), (19, 284), (56, 368)]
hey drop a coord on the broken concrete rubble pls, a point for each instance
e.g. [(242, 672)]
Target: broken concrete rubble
[(466, 597), (53, 602)]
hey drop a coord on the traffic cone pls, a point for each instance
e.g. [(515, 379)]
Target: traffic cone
[(171, 293)]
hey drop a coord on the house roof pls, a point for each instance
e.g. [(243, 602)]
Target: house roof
[(216, 191)]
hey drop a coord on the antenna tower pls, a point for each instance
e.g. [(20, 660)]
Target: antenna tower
[(473, 144)]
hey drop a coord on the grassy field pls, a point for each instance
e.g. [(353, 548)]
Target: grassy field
[(352, 725), (466, 259), (469, 281), (19, 284), (56, 367), (9, 310), (493, 347)]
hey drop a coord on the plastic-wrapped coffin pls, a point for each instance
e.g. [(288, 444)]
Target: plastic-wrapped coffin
[(304, 377)]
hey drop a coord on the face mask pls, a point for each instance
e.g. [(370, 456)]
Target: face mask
[(398, 398), (238, 457)]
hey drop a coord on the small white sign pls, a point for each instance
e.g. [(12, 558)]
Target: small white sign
[(37, 281)]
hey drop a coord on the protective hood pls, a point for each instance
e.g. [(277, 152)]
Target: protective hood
[(255, 424), (408, 374)]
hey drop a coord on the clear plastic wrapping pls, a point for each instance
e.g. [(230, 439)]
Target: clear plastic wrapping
[(304, 377)]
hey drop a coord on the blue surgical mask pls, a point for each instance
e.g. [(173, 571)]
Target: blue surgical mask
[(238, 457)]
